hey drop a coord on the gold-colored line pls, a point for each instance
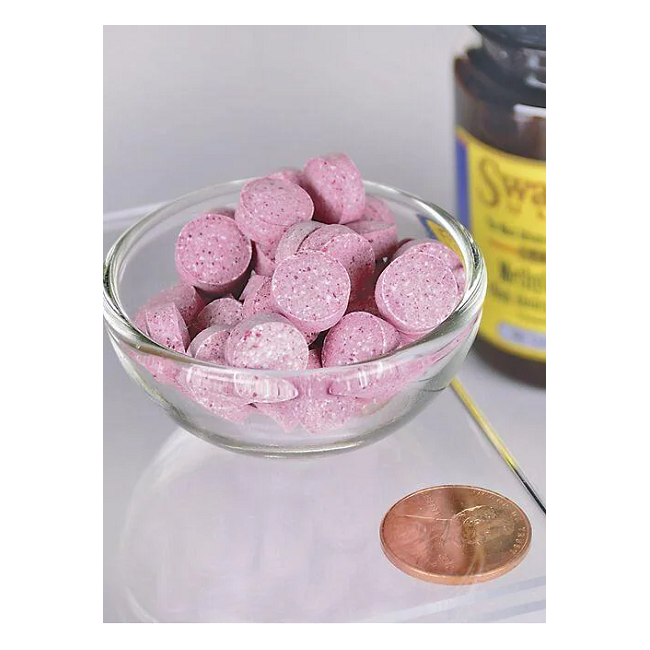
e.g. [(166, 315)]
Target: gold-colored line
[(495, 440)]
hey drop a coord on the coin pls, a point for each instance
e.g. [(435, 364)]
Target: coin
[(455, 534)]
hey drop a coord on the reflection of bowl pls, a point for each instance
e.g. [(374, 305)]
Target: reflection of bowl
[(217, 537), (274, 412)]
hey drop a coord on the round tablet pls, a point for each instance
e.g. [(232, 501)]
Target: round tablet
[(209, 344), (392, 336), (162, 370), (261, 389), (382, 236), (184, 296), (358, 336), (416, 292), (259, 231), (263, 263), (212, 388), (293, 238), (407, 339), (313, 384), (236, 414), (140, 320), (288, 174), (167, 327), (311, 289), (284, 413), (222, 311), (347, 247), (322, 414), (336, 187), (377, 210), (258, 299), (361, 337), (212, 254), (254, 283), (364, 301), (275, 201), (436, 249), (375, 379), (267, 341)]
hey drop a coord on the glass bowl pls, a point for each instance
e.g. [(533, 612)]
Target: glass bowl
[(281, 413)]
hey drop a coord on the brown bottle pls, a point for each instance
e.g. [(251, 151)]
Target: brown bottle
[(501, 180)]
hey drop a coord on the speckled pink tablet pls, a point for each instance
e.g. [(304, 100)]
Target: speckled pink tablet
[(321, 414), (358, 336), (424, 367), (377, 210), (165, 371), (293, 238), (407, 339), (311, 289), (167, 327), (416, 292), (288, 174), (208, 345), (254, 283), (236, 414), (392, 336), (258, 299), (259, 231), (262, 389), (347, 247), (436, 249), (375, 379), (364, 301), (222, 311), (140, 320), (185, 297), (162, 370), (212, 254), (336, 187), (263, 263), (284, 413), (267, 341), (212, 388), (275, 201), (382, 236), (313, 384)]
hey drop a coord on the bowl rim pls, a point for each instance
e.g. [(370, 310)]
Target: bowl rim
[(465, 313)]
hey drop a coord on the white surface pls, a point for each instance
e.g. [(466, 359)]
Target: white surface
[(215, 536), (188, 107), (516, 411)]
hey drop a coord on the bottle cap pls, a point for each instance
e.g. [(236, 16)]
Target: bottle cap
[(532, 36)]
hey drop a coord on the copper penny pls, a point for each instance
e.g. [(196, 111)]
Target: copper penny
[(455, 534)]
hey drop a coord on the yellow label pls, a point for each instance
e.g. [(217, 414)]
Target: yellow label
[(441, 235), (503, 200)]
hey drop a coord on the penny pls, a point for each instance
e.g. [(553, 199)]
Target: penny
[(455, 534)]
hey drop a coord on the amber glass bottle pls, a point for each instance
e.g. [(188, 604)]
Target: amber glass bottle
[(501, 180)]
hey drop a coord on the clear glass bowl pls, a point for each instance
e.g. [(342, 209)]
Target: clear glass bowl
[(282, 413)]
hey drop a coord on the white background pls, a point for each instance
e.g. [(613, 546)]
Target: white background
[(188, 106)]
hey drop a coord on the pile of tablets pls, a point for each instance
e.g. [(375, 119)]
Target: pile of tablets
[(306, 272)]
